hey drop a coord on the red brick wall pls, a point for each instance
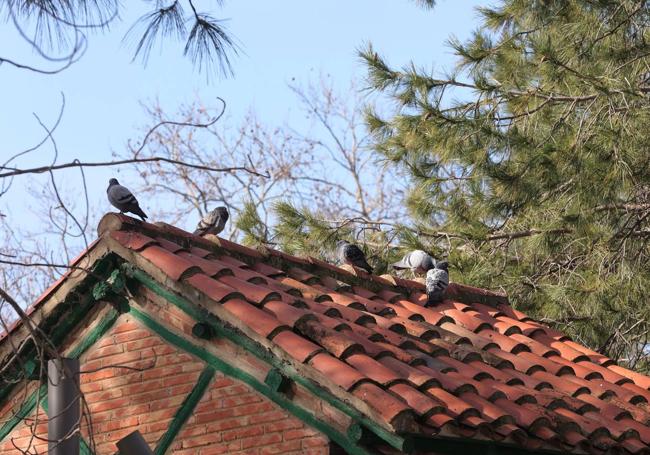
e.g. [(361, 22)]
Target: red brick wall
[(230, 418), (233, 418)]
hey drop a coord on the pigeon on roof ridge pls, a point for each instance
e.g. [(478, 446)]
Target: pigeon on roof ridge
[(213, 222), (349, 253), (122, 199)]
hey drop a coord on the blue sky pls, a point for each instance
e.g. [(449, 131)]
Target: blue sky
[(280, 41)]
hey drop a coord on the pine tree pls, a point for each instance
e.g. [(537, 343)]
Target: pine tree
[(532, 161), (529, 164)]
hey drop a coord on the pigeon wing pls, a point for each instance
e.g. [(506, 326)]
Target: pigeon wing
[(355, 256), (122, 195)]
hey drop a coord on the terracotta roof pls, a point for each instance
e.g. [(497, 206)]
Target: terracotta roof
[(472, 368)]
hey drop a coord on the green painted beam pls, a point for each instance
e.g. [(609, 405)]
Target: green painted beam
[(234, 372), (95, 334), (277, 381), (203, 331), (185, 411), (25, 410), (203, 315)]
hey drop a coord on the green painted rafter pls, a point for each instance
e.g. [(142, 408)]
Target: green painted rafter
[(184, 412)]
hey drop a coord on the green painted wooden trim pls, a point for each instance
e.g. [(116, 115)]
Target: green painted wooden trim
[(230, 370), (203, 315), (26, 409), (95, 334), (203, 331), (84, 449), (277, 381), (184, 412)]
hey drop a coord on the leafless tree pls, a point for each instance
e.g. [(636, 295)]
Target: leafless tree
[(324, 164)]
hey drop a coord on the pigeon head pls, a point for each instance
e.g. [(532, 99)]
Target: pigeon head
[(427, 263), (112, 182), (442, 265), (223, 213)]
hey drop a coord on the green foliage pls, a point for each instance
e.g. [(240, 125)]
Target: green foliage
[(251, 226), (300, 231), (529, 165)]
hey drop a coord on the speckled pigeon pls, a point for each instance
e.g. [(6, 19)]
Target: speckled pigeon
[(123, 200), (436, 282), (213, 222), (352, 254), (417, 260)]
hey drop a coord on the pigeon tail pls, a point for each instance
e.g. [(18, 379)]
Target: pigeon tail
[(138, 211), (364, 265)]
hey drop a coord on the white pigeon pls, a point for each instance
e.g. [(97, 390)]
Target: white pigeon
[(417, 260)]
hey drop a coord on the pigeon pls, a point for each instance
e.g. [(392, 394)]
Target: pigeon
[(417, 260), (122, 199), (352, 254), (213, 222), (436, 283)]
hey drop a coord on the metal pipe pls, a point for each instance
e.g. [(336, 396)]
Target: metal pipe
[(64, 411), (133, 444)]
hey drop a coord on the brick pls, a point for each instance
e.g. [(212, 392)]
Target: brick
[(183, 378), (299, 433), (222, 381), (121, 359), (269, 416), (282, 425), (215, 449), (109, 405), (282, 447), (131, 335), (241, 433), (263, 440), (255, 408), (105, 351), (227, 424), (117, 424), (193, 430), (201, 440), (126, 326), (238, 400), (314, 441)]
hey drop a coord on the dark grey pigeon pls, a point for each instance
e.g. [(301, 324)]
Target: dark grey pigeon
[(417, 260), (123, 200), (436, 282), (213, 222), (351, 254)]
